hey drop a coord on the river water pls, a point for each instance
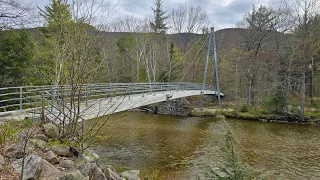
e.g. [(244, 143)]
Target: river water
[(167, 147)]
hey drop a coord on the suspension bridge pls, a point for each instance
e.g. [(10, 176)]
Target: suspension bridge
[(91, 100)]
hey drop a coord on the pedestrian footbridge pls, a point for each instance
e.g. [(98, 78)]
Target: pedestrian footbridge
[(91, 100)]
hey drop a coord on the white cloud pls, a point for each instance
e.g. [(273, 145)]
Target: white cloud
[(222, 13)]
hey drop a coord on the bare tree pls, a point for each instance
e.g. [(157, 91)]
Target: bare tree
[(14, 13), (302, 12), (260, 24), (188, 19), (178, 19)]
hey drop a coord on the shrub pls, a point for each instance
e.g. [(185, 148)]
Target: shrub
[(244, 108), (233, 167), (277, 102)]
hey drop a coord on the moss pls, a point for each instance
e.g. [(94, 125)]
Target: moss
[(248, 116), (313, 115)]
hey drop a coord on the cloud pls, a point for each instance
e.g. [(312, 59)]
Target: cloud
[(222, 13)]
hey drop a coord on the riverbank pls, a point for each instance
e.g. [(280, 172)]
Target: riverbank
[(255, 116), (38, 149)]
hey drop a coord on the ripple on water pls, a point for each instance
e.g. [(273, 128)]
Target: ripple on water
[(189, 146)]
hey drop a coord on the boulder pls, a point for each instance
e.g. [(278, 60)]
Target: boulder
[(111, 174), (70, 174), (51, 130), (2, 161), (221, 117), (61, 150), (1, 167), (68, 164), (39, 143), (86, 168), (90, 156), (51, 157), (34, 166), (41, 137), (97, 174), (130, 175), (22, 135), (46, 168), (31, 164), (16, 151)]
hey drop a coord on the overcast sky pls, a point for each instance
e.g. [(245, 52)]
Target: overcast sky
[(222, 13)]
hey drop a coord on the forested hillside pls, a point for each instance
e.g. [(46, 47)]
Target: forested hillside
[(268, 58)]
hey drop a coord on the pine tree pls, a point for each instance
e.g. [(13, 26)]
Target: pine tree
[(159, 25)]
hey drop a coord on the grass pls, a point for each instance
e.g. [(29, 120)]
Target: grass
[(10, 129)]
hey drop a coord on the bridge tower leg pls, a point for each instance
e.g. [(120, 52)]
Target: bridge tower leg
[(206, 68), (215, 60), (212, 38)]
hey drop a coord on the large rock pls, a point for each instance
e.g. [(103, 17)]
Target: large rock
[(39, 143), (93, 171), (17, 151), (41, 137), (46, 168), (68, 164), (51, 157), (51, 130), (111, 174), (86, 168), (97, 174), (71, 174), (61, 150), (34, 166), (90, 156), (2, 161), (131, 175)]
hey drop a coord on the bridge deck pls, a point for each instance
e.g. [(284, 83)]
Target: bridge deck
[(105, 106)]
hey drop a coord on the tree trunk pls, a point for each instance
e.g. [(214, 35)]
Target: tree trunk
[(303, 95)]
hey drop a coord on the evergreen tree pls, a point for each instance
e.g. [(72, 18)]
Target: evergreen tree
[(54, 40), (159, 25), (57, 14), (16, 53)]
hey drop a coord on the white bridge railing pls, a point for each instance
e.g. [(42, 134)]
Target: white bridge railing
[(19, 98)]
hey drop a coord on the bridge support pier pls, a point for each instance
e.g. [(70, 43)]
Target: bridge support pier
[(176, 107)]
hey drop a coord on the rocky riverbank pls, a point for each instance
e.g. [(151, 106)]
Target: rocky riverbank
[(43, 158), (230, 113)]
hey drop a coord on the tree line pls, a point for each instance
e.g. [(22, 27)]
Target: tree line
[(269, 58)]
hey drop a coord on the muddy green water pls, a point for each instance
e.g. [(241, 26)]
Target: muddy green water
[(183, 148)]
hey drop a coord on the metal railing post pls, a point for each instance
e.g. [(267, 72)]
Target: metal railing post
[(129, 91), (43, 119), (82, 138), (52, 98), (86, 94), (20, 98)]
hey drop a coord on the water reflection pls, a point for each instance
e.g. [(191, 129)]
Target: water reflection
[(186, 146)]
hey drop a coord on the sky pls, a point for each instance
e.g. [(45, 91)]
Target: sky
[(221, 13)]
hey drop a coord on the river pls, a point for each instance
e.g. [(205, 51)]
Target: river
[(167, 147)]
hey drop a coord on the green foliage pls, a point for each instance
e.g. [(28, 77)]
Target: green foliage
[(9, 129), (16, 53), (126, 43), (244, 108), (262, 19), (277, 103), (175, 62), (163, 77), (233, 168), (142, 75), (159, 25), (56, 15)]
